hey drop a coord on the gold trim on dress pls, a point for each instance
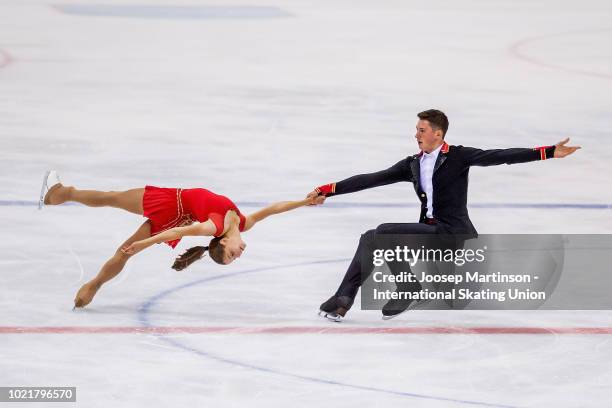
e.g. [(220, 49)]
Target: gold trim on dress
[(181, 219)]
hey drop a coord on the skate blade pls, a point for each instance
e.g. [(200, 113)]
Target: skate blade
[(412, 306), (332, 317), (395, 315), (42, 190)]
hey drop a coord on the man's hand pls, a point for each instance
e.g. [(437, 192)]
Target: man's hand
[(561, 150), (315, 198), (322, 191)]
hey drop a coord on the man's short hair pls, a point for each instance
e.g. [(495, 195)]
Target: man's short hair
[(437, 119)]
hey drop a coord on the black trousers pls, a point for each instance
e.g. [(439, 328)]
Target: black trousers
[(353, 277)]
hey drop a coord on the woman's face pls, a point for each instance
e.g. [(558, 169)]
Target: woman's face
[(233, 248)]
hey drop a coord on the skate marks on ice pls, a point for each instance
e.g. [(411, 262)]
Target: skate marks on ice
[(519, 50), (144, 316)]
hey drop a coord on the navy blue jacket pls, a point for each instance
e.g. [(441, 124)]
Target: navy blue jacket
[(450, 180)]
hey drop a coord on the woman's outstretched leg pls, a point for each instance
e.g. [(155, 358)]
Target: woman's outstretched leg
[(130, 200), (111, 268)]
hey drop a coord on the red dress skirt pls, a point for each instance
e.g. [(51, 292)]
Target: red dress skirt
[(168, 208)]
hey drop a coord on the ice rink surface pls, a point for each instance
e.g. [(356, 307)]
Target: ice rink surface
[(261, 102)]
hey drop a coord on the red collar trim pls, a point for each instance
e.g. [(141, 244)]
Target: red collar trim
[(444, 149)]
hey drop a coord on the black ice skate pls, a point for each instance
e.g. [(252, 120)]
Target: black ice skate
[(396, 307), (335, 308)]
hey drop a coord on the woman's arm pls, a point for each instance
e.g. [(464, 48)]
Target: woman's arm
[(203, 229), (278, 208)]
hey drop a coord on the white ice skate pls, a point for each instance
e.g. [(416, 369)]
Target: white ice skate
[(51, 182)]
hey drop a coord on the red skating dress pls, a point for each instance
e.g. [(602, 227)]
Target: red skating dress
[(176, 207)]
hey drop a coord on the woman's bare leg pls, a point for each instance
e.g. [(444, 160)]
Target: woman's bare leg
[(111, 268), (130, 200)]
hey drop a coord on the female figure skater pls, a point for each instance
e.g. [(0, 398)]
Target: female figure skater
[(172, 213)]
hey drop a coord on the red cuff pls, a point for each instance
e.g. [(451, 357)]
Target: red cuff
[(327, 189), (546, 152)]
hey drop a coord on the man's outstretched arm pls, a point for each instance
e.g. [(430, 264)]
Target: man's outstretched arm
[(493, 157), (394, 174)]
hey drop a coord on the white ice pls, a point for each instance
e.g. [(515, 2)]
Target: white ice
[(264, 109)]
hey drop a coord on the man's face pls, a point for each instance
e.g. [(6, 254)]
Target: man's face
[(427, 138)]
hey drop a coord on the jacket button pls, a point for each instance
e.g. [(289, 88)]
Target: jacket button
[(423, 195)]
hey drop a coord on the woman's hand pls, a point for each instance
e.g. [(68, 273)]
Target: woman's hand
[(134, 247), (315, 199)]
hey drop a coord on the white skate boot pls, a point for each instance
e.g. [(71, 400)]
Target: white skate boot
[(51, 182)]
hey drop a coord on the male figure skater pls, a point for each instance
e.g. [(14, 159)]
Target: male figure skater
[(439, 174)]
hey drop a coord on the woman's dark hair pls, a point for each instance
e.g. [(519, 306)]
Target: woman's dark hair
[(215, 248), (437, 119)]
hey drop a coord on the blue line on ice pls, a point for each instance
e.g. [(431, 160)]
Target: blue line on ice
[(173, 12), (144, 319), (246, 204)]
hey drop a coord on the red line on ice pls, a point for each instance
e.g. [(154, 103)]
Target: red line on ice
[(337, 329), (516, 51), (5, 58)]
